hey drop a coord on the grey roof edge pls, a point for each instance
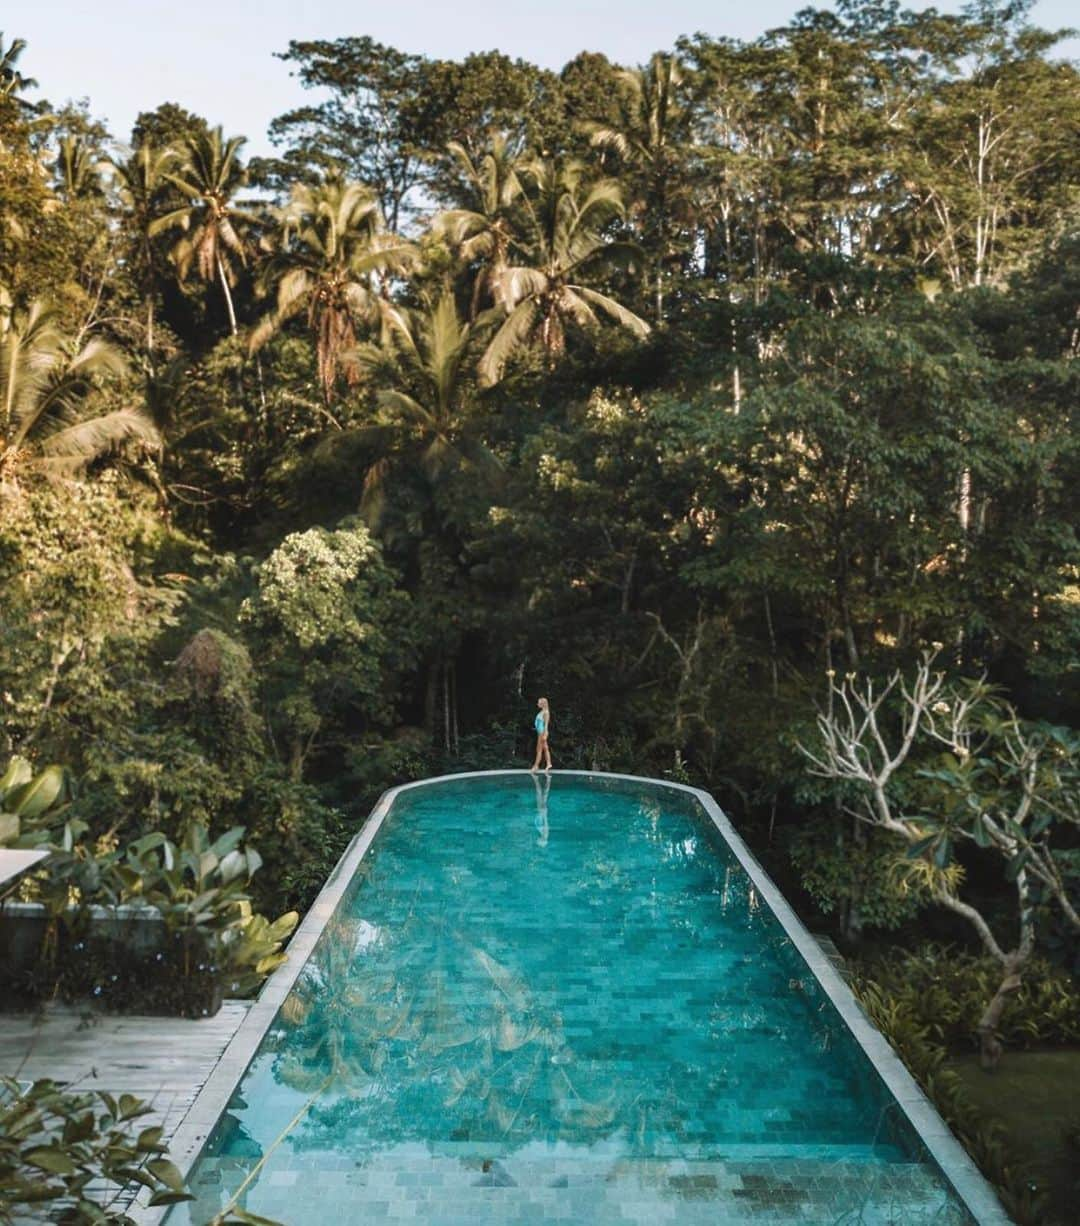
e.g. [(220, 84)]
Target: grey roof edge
[(963, 1175)]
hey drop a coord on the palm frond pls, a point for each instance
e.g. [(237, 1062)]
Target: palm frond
[(479, 456), (175, 217), (407, 408), (576, 308), (510, 339), (602, 137), (615, 310), (372, 361), (373, 493), (85, 441), (515, 284), (457, 226), (231, 239)]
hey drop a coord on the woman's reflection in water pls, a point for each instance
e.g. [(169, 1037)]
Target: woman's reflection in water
[(542, 783)]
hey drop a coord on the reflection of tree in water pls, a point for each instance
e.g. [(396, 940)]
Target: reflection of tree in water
[(222, 1185), (427, 1037), (421, 1031)]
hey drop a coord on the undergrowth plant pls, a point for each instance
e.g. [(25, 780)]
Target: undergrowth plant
[(75, 1156)]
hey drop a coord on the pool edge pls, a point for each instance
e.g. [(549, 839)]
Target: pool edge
[(952, 1159)]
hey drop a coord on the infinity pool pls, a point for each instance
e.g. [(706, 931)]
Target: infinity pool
[(560, 999)]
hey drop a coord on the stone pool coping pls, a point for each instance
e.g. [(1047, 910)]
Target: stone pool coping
[(958, 1168)]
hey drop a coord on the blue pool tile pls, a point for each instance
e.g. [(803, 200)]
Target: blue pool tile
[(602, 1029)]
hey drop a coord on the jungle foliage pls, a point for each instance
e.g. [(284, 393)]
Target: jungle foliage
[(664, 391)]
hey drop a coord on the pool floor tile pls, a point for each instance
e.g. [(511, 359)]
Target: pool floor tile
[(564, 1007)]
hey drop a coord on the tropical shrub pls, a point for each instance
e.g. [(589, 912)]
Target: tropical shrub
[(926, 1061), (215, 943), (202, 890), (843, 876), (944, 990), (73, 1154), (27, 799), (80, 605)]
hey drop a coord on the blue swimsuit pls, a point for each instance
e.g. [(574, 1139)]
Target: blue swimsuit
[(538, 723)]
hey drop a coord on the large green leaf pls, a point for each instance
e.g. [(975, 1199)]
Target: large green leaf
[(18, 772), (169, 1197), (150, 1138), (50, 1158), (168, 1172), (41, 793)]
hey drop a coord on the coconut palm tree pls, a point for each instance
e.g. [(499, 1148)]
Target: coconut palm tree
[(425, 357), (332, 247), (11, 79), (563, 237), (139, 178), (648, 140), (483, 233), (78, 168), (48, 387), (210, 176)]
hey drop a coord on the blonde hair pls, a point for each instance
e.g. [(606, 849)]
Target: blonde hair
[(543, 704)]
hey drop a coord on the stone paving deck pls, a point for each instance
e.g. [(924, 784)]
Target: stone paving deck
[(163, 1060)]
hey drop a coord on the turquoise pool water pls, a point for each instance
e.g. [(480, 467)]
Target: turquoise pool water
[(557, 999)]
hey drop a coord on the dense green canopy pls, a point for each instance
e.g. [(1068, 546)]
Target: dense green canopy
[(661, 390)]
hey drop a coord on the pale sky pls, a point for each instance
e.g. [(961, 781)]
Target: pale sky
[(215, 57)]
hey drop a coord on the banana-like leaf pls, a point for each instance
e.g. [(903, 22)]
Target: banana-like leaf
[(41, 793), (18, 772), (283, 925)]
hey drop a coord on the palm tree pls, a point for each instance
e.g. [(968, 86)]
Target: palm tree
[(210, 176), (47, 390), (10, 77), (563, 237), (140, 178), (78, 167), (332, 245), (425, 356), (422, 447), (483, 233), (647, 139)]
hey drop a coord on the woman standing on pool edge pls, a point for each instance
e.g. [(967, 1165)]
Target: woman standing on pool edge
[(542, 723)]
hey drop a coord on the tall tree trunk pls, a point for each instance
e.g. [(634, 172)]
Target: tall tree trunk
[(963, 505), (454, 741), (296, 759), (228, 294), (446, 706), (148, 296), (853, 917), (628, 584), (772, 647), (430, 695), (990, 1048)]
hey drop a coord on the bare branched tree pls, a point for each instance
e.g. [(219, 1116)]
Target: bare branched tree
[(974, 771)]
